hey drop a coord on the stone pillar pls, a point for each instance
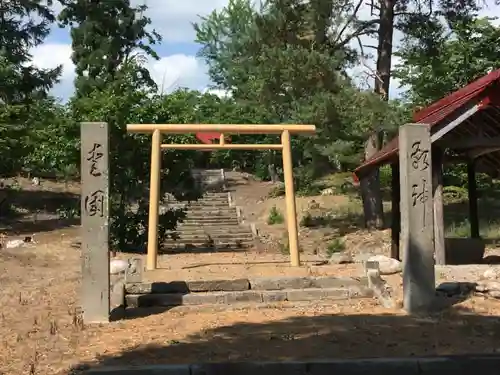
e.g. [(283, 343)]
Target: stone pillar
[(95, 222), (417, 217)]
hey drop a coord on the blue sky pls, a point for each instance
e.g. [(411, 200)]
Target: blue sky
[(178, 66)]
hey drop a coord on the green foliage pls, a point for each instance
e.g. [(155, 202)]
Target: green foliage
[(440, 56), (337, 245), (275, 216), (105, 36), (24, 25), (277, 60), (277, 191), (286, 62), (385, 175), (113, 85)]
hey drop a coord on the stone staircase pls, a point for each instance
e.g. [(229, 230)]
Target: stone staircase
[(212, 223)]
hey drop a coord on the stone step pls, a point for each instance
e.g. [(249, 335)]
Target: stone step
[(216, 223), (215, 194), (210, 218), (205, 208), (226, 248), (202, 246), (206, 171), (203, 241), (228, 298), (209, 201), (243, 284), (214, 231), (214, 209)]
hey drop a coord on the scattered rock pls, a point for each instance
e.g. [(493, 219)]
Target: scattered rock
[(362, 257), (451, 289), (387, 266), (328, 191), (12, 244), (380, 288), (494, 294), (118, 266), (492, 273), (76, 244), (341, 258), (488, 286), (313, 205)]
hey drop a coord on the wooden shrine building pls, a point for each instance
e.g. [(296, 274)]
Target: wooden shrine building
[(464, 127)]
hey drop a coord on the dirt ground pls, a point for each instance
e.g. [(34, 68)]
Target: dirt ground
[(42, 333)]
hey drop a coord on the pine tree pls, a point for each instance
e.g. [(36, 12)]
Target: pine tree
[(24, 25), (106, 37)]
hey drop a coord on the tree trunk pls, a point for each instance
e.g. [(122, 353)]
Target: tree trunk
[(370, 184), (384, 50), (370, 189)]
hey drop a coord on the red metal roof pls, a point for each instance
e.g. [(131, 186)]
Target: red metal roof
[(434, 113), (208, 138)]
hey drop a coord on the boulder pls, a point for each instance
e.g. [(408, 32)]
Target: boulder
[(341, 258), (492, 273), (387, 266)]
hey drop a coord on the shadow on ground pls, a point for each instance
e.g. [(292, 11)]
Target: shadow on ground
[(32, 211), (39, 200), (324, 336), (456, 217), (21, 227)]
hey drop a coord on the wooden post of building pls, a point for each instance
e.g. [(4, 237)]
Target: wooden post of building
[(396, 211), (472, 192), (154, 201), (95, 222), (437, 183), (291, 214), (417, 218)]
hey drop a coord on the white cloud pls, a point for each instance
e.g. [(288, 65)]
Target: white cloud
[(179, 71), (170, 72), (49, 56), (220, 93), (173, 18)]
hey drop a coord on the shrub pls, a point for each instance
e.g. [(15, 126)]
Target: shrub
[(275, 216)]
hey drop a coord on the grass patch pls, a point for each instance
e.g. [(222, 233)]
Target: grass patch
[(335, 246), (461, 229), (275, 217)]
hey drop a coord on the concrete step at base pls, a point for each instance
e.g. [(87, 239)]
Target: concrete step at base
[(228, 298)]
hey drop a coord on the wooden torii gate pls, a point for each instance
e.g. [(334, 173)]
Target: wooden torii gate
[(223, 129)]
